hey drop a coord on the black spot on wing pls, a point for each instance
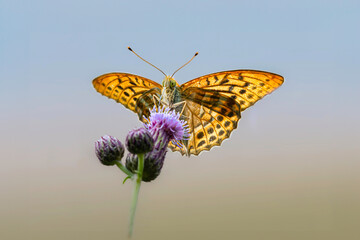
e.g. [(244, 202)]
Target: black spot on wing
[(224, 81), (227, 123), (201, 143), (212, 138), (230, 114), (132, 90), (200, 135)]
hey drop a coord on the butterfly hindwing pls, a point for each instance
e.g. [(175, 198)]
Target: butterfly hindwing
[(211, 117), (134, 92), (146, 102)]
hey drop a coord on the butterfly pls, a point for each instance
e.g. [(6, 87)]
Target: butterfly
[(211, 104)]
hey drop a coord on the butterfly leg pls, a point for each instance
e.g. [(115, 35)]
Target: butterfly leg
[(157, 101), (174, 106)]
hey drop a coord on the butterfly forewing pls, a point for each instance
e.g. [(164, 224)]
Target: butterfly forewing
[(134, 92), (244, 86)]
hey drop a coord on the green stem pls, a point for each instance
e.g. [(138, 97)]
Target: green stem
[(124, 169), (136, 192)]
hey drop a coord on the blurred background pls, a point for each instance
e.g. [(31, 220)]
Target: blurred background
[(290, 170)]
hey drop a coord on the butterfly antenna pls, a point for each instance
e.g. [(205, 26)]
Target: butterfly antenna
[(145, 60), (185, 63)]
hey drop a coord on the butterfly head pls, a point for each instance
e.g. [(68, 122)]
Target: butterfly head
[(169, 83)]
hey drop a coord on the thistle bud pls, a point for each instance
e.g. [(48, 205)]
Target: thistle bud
[(139, 141), (109, 150), (153, 162)]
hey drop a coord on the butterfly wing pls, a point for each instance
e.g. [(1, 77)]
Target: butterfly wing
[(134, 92), (211, 117), (244, 86), (214, 103)]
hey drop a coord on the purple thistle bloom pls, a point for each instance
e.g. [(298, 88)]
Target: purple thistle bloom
[(164, 125)]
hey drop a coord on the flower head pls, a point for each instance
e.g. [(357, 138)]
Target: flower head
[(153, 162), (109, 150), (165, 125), (139, 141)]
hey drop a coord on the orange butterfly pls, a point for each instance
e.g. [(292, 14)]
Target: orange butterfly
[(211, 104)]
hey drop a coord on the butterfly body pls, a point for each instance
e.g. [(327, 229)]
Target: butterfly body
[(211, 104), (170, 91)]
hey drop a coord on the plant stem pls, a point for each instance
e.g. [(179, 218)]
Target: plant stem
[(124, 169), (136, 192)]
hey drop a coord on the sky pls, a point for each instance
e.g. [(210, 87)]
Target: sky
[(290, 170)]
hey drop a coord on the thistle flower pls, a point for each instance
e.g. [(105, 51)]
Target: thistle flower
[(147, 147), (153, 162), (109, 150), (139, 141), (164, 125)]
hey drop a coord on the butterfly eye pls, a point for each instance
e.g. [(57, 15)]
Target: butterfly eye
[(172, 84)]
